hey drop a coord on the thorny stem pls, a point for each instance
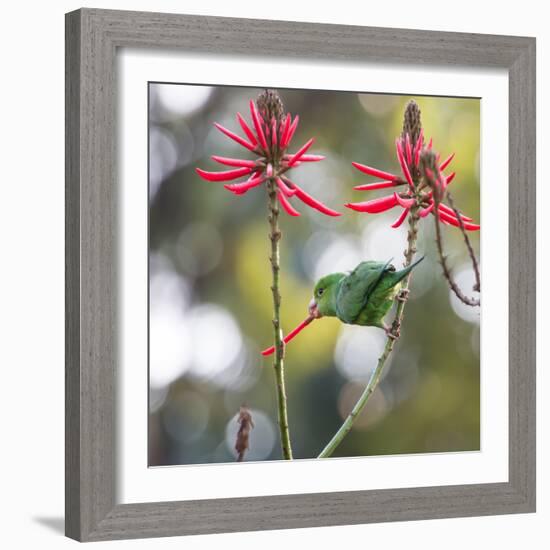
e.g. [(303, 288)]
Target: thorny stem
[(443, 258), (278, 363), (390, 343)]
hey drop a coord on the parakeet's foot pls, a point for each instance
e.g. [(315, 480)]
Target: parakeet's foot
[(391, 333), (403, 295)]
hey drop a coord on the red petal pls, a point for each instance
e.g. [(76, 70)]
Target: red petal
[(425, 211), (375, 185), (246, 129), (234, 136), (223, 176), (374, 206), (306, 198), (451, 212), (430, 145), (402, 162), (401, 219), (273, 132), (453, 221), (290, 335), (284, 133), (296, 157), (418, 147), (240, 188), (417, 157), (285, 203), (408, 148), (308, 158), (471, 226), (446, 162), (375, 172), (285, 188), (405, 203), (450, 178), (234, 162), (257, 125), (291, 131)]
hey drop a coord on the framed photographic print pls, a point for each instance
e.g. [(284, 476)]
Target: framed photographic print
[(300, 275)]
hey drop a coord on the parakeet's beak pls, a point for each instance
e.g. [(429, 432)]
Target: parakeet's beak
[(312, 309)]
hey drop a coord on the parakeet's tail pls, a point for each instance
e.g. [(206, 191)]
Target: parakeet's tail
[(398, 276)]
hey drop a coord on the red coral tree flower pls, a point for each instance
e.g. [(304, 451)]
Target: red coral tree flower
[(268, 136), (418, 185)]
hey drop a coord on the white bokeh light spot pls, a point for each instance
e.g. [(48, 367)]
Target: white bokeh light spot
[(183, 100), (357, 351), (465, 279), (169, 339), (216, 340)]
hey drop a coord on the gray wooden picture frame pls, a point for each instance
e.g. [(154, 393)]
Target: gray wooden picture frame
[(92, 39)]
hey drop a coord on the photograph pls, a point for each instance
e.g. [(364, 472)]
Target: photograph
[(314, 279), (270, 275)]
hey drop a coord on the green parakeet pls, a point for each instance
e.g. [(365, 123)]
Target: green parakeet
[(362, 297)]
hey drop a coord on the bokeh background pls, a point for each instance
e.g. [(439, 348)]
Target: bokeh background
[(210, 299)]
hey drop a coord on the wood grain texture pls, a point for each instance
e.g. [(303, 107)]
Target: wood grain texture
[(92, 37), (72, 278)]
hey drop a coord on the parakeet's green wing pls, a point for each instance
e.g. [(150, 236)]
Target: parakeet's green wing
[(355, 289)]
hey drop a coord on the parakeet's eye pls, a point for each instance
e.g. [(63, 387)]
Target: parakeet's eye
[(320, 292)]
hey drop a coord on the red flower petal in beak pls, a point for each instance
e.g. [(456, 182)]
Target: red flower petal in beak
[(290, 335), (223, 176), (285, 203), (374, 206), (234, 136)]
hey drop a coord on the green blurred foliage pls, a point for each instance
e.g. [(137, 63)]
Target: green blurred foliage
[(217, 245)]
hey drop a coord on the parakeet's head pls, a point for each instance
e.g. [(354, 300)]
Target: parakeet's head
[(323, 303)]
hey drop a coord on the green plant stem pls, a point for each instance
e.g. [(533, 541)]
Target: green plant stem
[(278, 361), (388, 348)]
